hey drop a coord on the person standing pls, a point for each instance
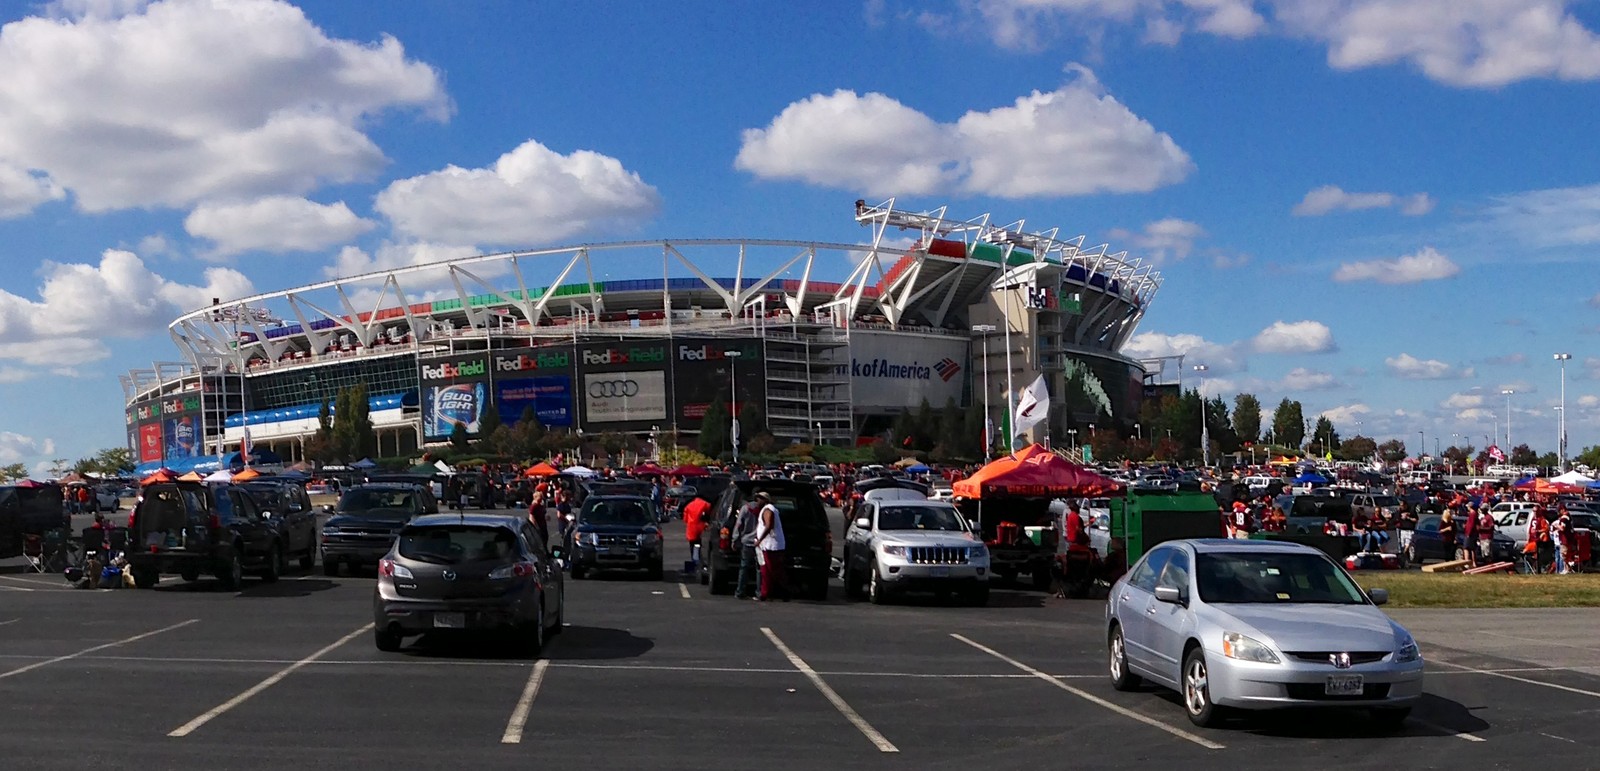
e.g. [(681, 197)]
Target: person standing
[(1561, 536), (770, 546), (1539, 534), (694, 526), (744, 534), (1469, 526), (1447, 535), (1485, 544), (539, 515)]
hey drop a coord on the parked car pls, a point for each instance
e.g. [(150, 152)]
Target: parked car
[(1512, 518), (422, 482), (365, 522), (617, 532), (190, 529), (1258, 625), (1370, 504), (806, 530), (1426, 544), (287, 508), (897, 545), (473, 572)]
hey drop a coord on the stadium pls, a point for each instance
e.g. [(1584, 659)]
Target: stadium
[(832, 340)]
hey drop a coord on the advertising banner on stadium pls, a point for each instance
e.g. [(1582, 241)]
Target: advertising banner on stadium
[(624, 397), (150, 442), (455, 391), (550, 396), (182, 437), (701, 371), (897, 371)]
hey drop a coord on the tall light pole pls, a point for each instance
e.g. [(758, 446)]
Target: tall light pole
[(1561, 444), (1072, 438), (1422, 446), (1205, 425), (1507, 393), (733, 402), (988, 421)]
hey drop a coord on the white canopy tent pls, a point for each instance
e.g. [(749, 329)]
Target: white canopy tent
[(1572, 478), (580, 471)]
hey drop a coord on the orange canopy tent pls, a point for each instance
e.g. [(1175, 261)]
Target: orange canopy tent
[(193, 476), (1547, 487), (246, 475), (541, 470), (1034, 472), (159, 476)]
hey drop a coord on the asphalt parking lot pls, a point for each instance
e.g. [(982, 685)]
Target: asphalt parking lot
[(662, 675)]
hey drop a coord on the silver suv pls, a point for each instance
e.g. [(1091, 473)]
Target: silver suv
[(907, 545)]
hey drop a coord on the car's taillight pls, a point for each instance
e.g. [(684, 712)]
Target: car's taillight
[(388, 569), (132, 515), (724, 540), (519, 570), (216, 522)]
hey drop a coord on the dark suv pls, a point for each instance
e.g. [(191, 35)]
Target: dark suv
[(189, 529), (808, 536), (287, 508), (617, 532), (365, 522)]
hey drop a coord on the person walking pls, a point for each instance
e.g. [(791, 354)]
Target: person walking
[(1469, 526), (770, 546), (694, 526), (539, 515), (744, 534)]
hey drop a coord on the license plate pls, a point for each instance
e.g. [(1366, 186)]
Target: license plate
[(616, 551), (449, 620), (938, 572), (1344, 685)]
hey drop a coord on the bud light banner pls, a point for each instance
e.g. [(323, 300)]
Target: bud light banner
[(182, 435), (620, 397), (550, 397), (445, 407)]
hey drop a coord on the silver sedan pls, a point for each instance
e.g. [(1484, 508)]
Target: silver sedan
[(1257, 625)]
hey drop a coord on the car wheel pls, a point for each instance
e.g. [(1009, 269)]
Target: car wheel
[(231, 575), (1041, 579), (978, 597), (578, 572), (877, 592), (1410, 554), (853, 587), (1197, 690), (1390, 718), (386, 640), (330, 567), (189, 574), (1117, 654), (721, 580), (309, 559), (274, 566), (819, 586), (147, 578), (657, 571)]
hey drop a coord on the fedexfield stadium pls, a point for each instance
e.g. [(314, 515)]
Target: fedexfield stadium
[(832, 340)]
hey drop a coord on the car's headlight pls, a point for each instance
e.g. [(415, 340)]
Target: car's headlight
[(894, 550), (1408, 651), (977, 550), (648, 539), (1244, 648), (589, 539)]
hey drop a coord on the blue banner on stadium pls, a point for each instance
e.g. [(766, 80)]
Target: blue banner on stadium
[(550, 397)]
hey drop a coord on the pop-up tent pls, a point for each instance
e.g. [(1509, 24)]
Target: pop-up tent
[(1572, 478), (1034, 472), (687, 470), (541, 470), (647, 469)]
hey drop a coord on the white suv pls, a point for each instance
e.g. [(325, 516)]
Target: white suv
[(906, 545)]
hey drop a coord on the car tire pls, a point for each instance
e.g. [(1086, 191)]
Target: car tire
[(658, 571), (1122, 678), (854, 588), (330, 567), (818, 589), (877, 590), (386, 640), (1390, 718), (1195, 680), (578, 572), (231, 574), (1410, 555), (719, 581), (309, 559), (147, 578), (274, 566), (188, 574), (1040, 578)]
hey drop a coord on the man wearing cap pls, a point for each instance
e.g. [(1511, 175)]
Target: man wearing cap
[(770, 546)]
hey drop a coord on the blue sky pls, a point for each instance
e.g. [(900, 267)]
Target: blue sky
[(1385, 210)]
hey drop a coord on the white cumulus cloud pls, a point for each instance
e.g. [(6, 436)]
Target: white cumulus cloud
[(1462, 401), (21, 191), (1164, 239), (1330, 198), (1426, 265), (133, 105), (1346, 415), (15, 447), (1220, 358), (275, 224), (1078, 139), (1302, 379), (1410, 367), (531, 195), (1295, 337)]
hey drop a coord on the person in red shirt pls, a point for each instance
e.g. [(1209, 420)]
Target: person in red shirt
[(694, 525), (1077, 533)]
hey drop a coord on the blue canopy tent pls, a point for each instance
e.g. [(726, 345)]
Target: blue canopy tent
[(364, 463), (920, 468)]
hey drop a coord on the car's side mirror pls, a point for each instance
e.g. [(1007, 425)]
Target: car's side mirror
[(864, 523), (1378, 596), (1169, 594)]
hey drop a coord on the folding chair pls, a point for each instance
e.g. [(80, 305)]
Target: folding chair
[(33, 551), (60, 552)]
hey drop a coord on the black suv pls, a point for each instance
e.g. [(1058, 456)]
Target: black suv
[(287, 508), (365, 522), (189, 529), (617, 532), (806, 532)]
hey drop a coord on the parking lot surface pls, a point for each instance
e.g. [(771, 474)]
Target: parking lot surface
[(660, 674)]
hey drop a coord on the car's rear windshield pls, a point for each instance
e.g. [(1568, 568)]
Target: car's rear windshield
[(615, 513), (936, 518), (1245, 577), (362, 499), (1385, 500), (451, 544)]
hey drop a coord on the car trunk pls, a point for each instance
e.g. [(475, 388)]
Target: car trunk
[(172, 519), (454, 562)]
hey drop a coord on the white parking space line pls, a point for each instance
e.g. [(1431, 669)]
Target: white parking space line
[(519, 716), (87, 651), (9, 621), (1463, 735), (838, 702), (1093, 699), (11, 588), (1496, 673), (192, 725), (684, 588)]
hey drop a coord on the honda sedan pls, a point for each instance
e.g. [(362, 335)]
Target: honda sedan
[(1258, 625)]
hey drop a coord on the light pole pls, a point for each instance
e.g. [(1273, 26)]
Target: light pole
[(988, 421), (733, 402), (1138, 431), (1072, 438), (1205, 425), (1561, 443), (819, 432), (1422, 447), (1507, 393)]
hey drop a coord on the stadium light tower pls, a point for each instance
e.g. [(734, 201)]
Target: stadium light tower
[(1561, 443), (988, 423), (1205, 425)]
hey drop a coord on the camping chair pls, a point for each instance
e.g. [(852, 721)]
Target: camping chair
[(94, 545), (59, 552), (33, 551)]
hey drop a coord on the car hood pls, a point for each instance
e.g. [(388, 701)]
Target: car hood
[(925, 538), (1314, 627), (616, 529)]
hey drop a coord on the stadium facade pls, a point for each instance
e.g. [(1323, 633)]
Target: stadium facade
[(641, 337)]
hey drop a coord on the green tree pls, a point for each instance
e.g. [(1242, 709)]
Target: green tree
[(1221, 425), (970, 443), (1589, 457), (752, 419), (114, 460), (459, 439), (1288, 424), (1392, 451), (927, 427), (13, 472), (950, 433), (60, 466), (1548, 460), (1247, 418), (1523, 455), (905, 430), (1358, 448), (883, 452), (714, 429), (1323, 437), (490, 420)]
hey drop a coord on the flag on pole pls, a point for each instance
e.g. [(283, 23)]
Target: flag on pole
[(1033, 405), (245, 447), (1497, 454)]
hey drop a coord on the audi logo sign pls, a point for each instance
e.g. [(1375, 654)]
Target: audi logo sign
[(600, 389), (621, 397)]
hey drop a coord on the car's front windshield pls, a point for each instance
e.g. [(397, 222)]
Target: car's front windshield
[(943, 518), (622, 512), (1255, 577)]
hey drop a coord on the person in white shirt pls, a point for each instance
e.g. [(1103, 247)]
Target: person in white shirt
[(770, 546)]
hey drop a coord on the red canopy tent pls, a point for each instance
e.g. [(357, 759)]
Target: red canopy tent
[(29, 483), (688, 471), (647, 469), (1034, 472), (541, 470)]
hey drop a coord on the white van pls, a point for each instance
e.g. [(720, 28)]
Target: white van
[(1511, 518)]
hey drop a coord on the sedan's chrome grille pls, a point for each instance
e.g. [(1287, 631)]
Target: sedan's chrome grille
[(938, 555), (1327, 657)]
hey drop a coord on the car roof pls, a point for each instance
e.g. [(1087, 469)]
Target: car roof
[(386, 485), (510, 521), (1236, 546)]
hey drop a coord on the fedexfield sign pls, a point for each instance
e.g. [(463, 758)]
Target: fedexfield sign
[(453, 370), (533, 361)]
